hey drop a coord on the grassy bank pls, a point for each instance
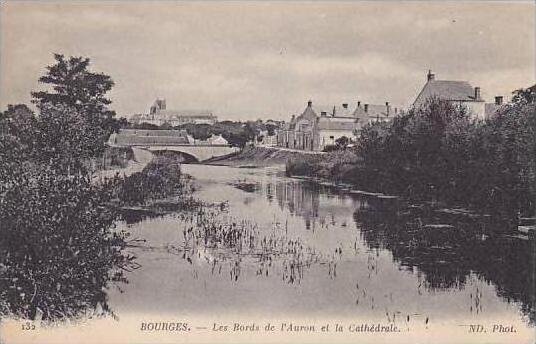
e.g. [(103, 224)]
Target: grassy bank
[(256, 157), (338, 166)]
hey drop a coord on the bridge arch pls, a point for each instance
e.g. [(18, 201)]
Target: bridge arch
[(199, 152), (180, 156)]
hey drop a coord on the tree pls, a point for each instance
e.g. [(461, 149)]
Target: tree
[(58, 249), (74, 86), (200, 131), (19, 124), (342, 142), (60, 141), (271, 129), (507, 157)]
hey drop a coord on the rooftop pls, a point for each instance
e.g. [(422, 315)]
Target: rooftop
[(336, 123), (451, 90)]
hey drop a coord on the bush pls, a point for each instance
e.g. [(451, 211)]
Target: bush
[(159, 179), (330, 148), (300, 166), (58, 251)]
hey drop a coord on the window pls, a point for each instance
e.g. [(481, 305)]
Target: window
[(332, 137)]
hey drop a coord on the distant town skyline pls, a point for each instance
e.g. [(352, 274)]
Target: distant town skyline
[(250, 60)]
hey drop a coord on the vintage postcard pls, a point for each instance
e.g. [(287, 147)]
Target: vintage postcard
[(267, 172)]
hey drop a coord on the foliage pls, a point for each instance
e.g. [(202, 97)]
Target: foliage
[(74, 86), (198, 131), (160, 179), (18, 131), (418, 153), (330, 148), (342, 142), (337, 165), (238, 134), (57, 248), (60, 140), (271, 128), (505, 162), (144, 126)]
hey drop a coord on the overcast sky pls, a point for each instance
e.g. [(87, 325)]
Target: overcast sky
[(259, 60)]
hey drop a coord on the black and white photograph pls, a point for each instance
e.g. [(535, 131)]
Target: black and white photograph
[(267, 172)]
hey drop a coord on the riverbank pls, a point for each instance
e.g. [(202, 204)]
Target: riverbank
[(254, 156), (341, 170)]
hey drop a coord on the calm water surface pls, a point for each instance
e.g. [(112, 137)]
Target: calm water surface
[(347, 263)]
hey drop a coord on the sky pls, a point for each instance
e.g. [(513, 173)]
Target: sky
[(250, 60)]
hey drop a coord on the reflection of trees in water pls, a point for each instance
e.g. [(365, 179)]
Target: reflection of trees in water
[(446, 254)]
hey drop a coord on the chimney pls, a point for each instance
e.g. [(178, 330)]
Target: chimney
[(396, 111), (498, 100), (430, 76), (366, 108), (477, 93), (345, 105), (387, 106), (358, 103), (310, 103)]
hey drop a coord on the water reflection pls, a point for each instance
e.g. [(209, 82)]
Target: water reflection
[(286, 246), (445, 250), (446, 253)]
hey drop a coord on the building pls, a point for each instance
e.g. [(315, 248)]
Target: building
[(160, 115), (213, 140), (457, 92), (493, 108), (265, 139), (371, 113), (299, 132), (332, 126), (314, 130)]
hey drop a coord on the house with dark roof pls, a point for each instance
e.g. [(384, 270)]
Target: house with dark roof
[(370, 113), (458, 92), (313, 130)]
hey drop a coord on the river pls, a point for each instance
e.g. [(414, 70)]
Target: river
[(345, 264)]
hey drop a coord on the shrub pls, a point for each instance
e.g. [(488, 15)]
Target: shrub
[(58, 251), (159, 179)]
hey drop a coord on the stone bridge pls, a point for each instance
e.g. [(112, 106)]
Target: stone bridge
[(193, 152)]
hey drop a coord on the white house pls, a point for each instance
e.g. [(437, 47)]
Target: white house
[(457, 92)]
